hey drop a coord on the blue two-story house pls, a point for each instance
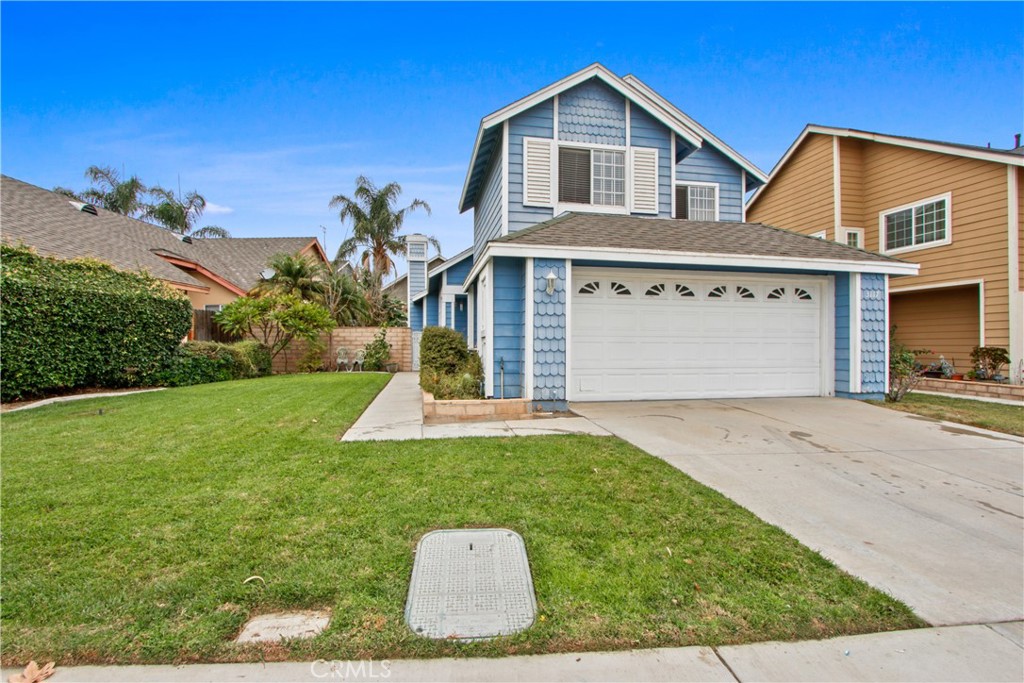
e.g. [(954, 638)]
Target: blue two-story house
[(611, 261)]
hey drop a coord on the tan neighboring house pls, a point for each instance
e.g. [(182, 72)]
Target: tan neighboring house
[(957, 210), (213, 272)]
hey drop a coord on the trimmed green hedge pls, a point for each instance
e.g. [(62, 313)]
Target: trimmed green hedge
[(68, 324), (203, 362)]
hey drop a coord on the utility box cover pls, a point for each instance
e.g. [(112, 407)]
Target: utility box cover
[(469, 584)]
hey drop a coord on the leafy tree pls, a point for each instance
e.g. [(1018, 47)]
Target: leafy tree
[(376, 224), (295, 274), (181, 215), (275, 319)]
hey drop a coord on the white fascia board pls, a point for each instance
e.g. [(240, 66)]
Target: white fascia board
[(648, 256), (1001, 157), (469, 171), (441, 267), (421, 295), (649, 93)]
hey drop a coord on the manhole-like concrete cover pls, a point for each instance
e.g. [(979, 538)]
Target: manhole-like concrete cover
[(283, 626), (470, 583)]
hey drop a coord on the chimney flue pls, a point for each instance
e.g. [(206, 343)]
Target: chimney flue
[(1016, 140)]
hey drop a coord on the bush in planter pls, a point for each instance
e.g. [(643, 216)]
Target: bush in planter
[(442, 350), (989, 360), (448, 369)]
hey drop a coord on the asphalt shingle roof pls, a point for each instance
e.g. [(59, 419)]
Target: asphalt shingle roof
[(584, 230), (53, 226)]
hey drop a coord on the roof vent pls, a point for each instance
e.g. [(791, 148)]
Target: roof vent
[(184, 238), (85, 208)]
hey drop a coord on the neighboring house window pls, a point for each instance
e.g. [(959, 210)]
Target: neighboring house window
[(852, 237), (213, 307), (821, 234), (925, 223), (591, 176), (697, 202)]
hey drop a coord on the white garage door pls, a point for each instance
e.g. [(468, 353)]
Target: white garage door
[(639, 335)]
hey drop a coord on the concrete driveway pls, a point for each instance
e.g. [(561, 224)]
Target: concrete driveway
[(929, 512)]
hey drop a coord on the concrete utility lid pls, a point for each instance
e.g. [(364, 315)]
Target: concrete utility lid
[(278, 626), (470, 583)]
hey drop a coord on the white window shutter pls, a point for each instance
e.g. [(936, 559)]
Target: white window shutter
[(538, 178), (643, 170)]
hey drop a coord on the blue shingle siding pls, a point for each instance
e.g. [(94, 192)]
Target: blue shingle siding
[(431, 303), (535, 122), (842, 318), (873, 333), (487, 213), (509, 325), (592, 113), (416, 315), (549, 323), (646, 131), (708, 165), (457, 273)]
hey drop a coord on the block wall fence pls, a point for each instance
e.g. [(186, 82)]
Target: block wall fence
[(351, 338)]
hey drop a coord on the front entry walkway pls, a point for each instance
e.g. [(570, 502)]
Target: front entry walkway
[(397, 415)]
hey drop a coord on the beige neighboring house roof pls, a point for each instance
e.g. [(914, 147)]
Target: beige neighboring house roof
[(704, 244), (54, 225), (1013, 157)]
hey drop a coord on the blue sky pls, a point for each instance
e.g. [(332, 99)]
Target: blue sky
[(269, 109)]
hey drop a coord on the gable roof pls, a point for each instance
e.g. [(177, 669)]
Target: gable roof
[(487, 134), (54, 226), (433, 262), (1002, 156), (645, 240), (649, 93)]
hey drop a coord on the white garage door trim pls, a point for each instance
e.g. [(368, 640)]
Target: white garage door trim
[(761, 287)]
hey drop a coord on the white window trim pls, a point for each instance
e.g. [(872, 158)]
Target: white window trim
[(820, 235), (843, 232), (882, 241), (699, 183), (562, 207)]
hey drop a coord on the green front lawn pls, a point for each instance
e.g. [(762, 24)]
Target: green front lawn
[(128, 535), (999, 417)]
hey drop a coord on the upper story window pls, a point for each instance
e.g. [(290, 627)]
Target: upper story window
[(592, 176), (852, 237), (697, 202), (915, 226)]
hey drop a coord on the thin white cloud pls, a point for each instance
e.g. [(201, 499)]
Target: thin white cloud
[(217, 209)]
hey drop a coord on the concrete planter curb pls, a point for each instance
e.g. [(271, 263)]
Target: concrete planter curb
[(477, 410)]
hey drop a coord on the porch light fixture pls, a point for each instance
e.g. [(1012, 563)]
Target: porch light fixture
[(552, 280)]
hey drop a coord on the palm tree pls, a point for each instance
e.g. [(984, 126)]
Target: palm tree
[(376, 225), (180, 216), (294, 274), (110, 192), (345, 299)]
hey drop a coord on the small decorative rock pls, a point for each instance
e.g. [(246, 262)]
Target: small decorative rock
[(277, 626)]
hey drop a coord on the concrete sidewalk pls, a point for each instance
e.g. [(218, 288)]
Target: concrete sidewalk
[(951, 653), (397, 415)]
